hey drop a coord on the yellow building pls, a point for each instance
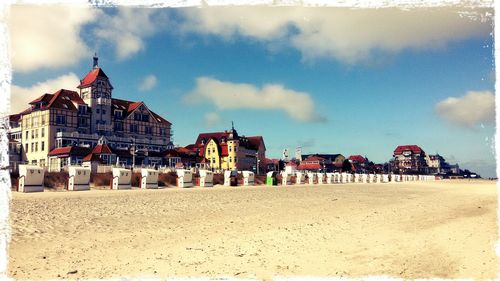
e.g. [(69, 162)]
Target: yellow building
[(227, 150)]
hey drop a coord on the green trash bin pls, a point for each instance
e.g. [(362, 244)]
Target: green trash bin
[(272, 178)]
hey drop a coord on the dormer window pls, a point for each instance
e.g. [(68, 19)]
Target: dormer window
[(118, 114)]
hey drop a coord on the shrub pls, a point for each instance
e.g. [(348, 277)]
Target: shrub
[(101, 179), (14, 181), (136, 179), (56, 180), (166, 179)]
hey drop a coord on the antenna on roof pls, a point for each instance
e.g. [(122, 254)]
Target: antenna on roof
[(95, 60)]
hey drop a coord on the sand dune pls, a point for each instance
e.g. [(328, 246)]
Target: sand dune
[(412, 230)]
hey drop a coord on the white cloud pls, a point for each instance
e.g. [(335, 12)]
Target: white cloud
[(148, 83), (349, 35), (47, 36), (127, 29), (20, 96), (472, 109), (212, 119), (227, 95)]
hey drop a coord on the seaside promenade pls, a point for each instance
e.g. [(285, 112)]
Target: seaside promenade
[(445, 229)]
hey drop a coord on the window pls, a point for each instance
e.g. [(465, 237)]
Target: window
[(137, 116), (230, 148), (36, 133), (43, 120), (43, 146), (26, 148), (32, 134), (36, 146), (32, 146), (27, 134), (118, 114), (60, 119), (145, 118), (118, 126), (148, 130), (97, 110), (82, 122), (43, 132), (82, 109), (104, 111), (42, 162), (230, 159), (134, 128), (213, 150)]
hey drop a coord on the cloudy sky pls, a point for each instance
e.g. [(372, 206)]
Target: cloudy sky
[(331, 80)]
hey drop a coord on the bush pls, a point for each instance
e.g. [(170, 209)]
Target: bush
[(260, 179), (55, 180), (101, 179), (218, 179), (166, 179), (14, 181), (136, 179)]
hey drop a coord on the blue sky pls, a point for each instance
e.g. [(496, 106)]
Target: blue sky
[(329, 80)]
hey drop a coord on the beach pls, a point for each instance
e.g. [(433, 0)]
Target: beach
[(445, 229)]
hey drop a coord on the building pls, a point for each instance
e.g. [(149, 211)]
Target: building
[(359, 163), (327, 162), (56, 126), (438, 165), (228, 150), (408, 159), (332, 162)]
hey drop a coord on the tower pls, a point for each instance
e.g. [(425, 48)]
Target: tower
[(95, 90)]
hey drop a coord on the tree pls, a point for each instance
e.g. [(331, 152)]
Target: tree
[(346, 166)]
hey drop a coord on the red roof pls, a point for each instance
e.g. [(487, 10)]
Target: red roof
[(101, 149), (92, 157), (415, 149), (91, 76), (255, 141), (314, 158), (62, 99), (69, 150), (268, 161), (309, 167), (357, 158), (14, 117), (130, 106), (207, 136)]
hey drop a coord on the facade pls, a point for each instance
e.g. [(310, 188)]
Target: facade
[(332, 162), (409, 159), (87, 118), (227, 150), (359, 163), (438, 165)]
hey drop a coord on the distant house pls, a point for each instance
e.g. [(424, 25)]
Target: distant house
[(328, 162), (359, 163), (228, 150), (409, 159)]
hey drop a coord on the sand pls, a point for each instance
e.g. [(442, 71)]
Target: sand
[(444, 229)]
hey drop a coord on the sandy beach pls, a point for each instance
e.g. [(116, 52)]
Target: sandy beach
[(444, 229)]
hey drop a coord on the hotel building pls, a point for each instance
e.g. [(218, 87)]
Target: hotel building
[(57, 125)]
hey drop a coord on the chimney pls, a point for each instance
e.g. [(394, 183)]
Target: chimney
[(95, 60)]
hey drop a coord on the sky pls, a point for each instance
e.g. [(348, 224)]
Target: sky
[(326, 79)]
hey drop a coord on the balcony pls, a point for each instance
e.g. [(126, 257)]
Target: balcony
[(104, 127), (103, 101)]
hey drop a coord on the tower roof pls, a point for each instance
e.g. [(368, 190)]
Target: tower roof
[(91, 77)]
